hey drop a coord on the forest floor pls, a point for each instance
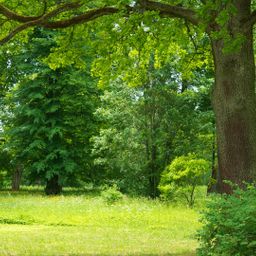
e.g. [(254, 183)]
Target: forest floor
[(84, 224)]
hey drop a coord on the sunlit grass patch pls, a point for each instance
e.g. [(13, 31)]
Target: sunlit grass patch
[(87, 225)]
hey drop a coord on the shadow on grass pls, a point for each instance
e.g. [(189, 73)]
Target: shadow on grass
[(38, 190)]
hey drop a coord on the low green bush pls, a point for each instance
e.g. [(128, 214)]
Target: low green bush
[(182, 176), (111, 194), (229, 225)]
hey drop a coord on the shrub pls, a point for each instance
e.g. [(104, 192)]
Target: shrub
[(230, 225), (182, 176), (111, 194)]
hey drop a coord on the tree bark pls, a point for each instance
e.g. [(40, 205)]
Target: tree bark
[(151, 142), (235, 106), (52, 186), (16, 178), (154, 174)]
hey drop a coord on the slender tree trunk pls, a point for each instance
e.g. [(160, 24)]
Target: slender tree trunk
[(16, 178), (151, 146), (235, 106), (153, 174), (52, 186), (154, 179), (212, 186)]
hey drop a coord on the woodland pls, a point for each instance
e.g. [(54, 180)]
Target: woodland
[(117, 115)]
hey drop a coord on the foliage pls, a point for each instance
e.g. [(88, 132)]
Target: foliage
[(145, 128), (229, 225), (49, 117), (118, 148), (141, 38), (4, 177), (183, 175), (141, 129), (5, 164), (111, 194)]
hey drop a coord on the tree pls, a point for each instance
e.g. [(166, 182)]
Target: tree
[(184, 174), (119, 148), (144, 128), (9, 76), (229, 25), (46, 139)]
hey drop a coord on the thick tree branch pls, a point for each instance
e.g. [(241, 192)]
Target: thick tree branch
[(170, 10), (18, 30), (62, 8), (45, 19), (40, 20), (90, 15), (11, 15), (14, 16)]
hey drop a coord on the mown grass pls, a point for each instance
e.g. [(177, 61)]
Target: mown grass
[(33, 224)]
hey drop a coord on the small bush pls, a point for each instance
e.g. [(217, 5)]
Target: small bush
[(230, 225), (111, 194), (182, 176)]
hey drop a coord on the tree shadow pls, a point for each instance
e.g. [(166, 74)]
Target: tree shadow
[(39, 190)]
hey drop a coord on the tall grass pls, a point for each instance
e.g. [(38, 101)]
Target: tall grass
[(33, 224)]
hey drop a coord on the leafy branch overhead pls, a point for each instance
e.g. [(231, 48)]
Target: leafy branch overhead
[(78, 12), (46, 19)]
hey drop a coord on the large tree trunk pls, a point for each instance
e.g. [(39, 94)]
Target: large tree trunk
[(235, 106)]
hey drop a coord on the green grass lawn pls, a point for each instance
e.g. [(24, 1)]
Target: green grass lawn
[(33, 224)]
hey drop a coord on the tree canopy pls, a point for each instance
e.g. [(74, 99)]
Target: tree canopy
[(128, 37)]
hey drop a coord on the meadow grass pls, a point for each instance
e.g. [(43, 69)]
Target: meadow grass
[(33, 224)]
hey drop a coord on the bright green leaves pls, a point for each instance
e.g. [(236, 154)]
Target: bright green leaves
[(220, 19), (26, 8), (183, 175), (232, 39), (224, 16), (60, 58), (129, 47), (232, 44), (29, 8), (124, 51), (69, 49), (102, 3), (117, 37), (186, 169)]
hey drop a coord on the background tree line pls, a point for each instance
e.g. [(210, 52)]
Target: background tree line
[(142, 54), (60, 129)]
